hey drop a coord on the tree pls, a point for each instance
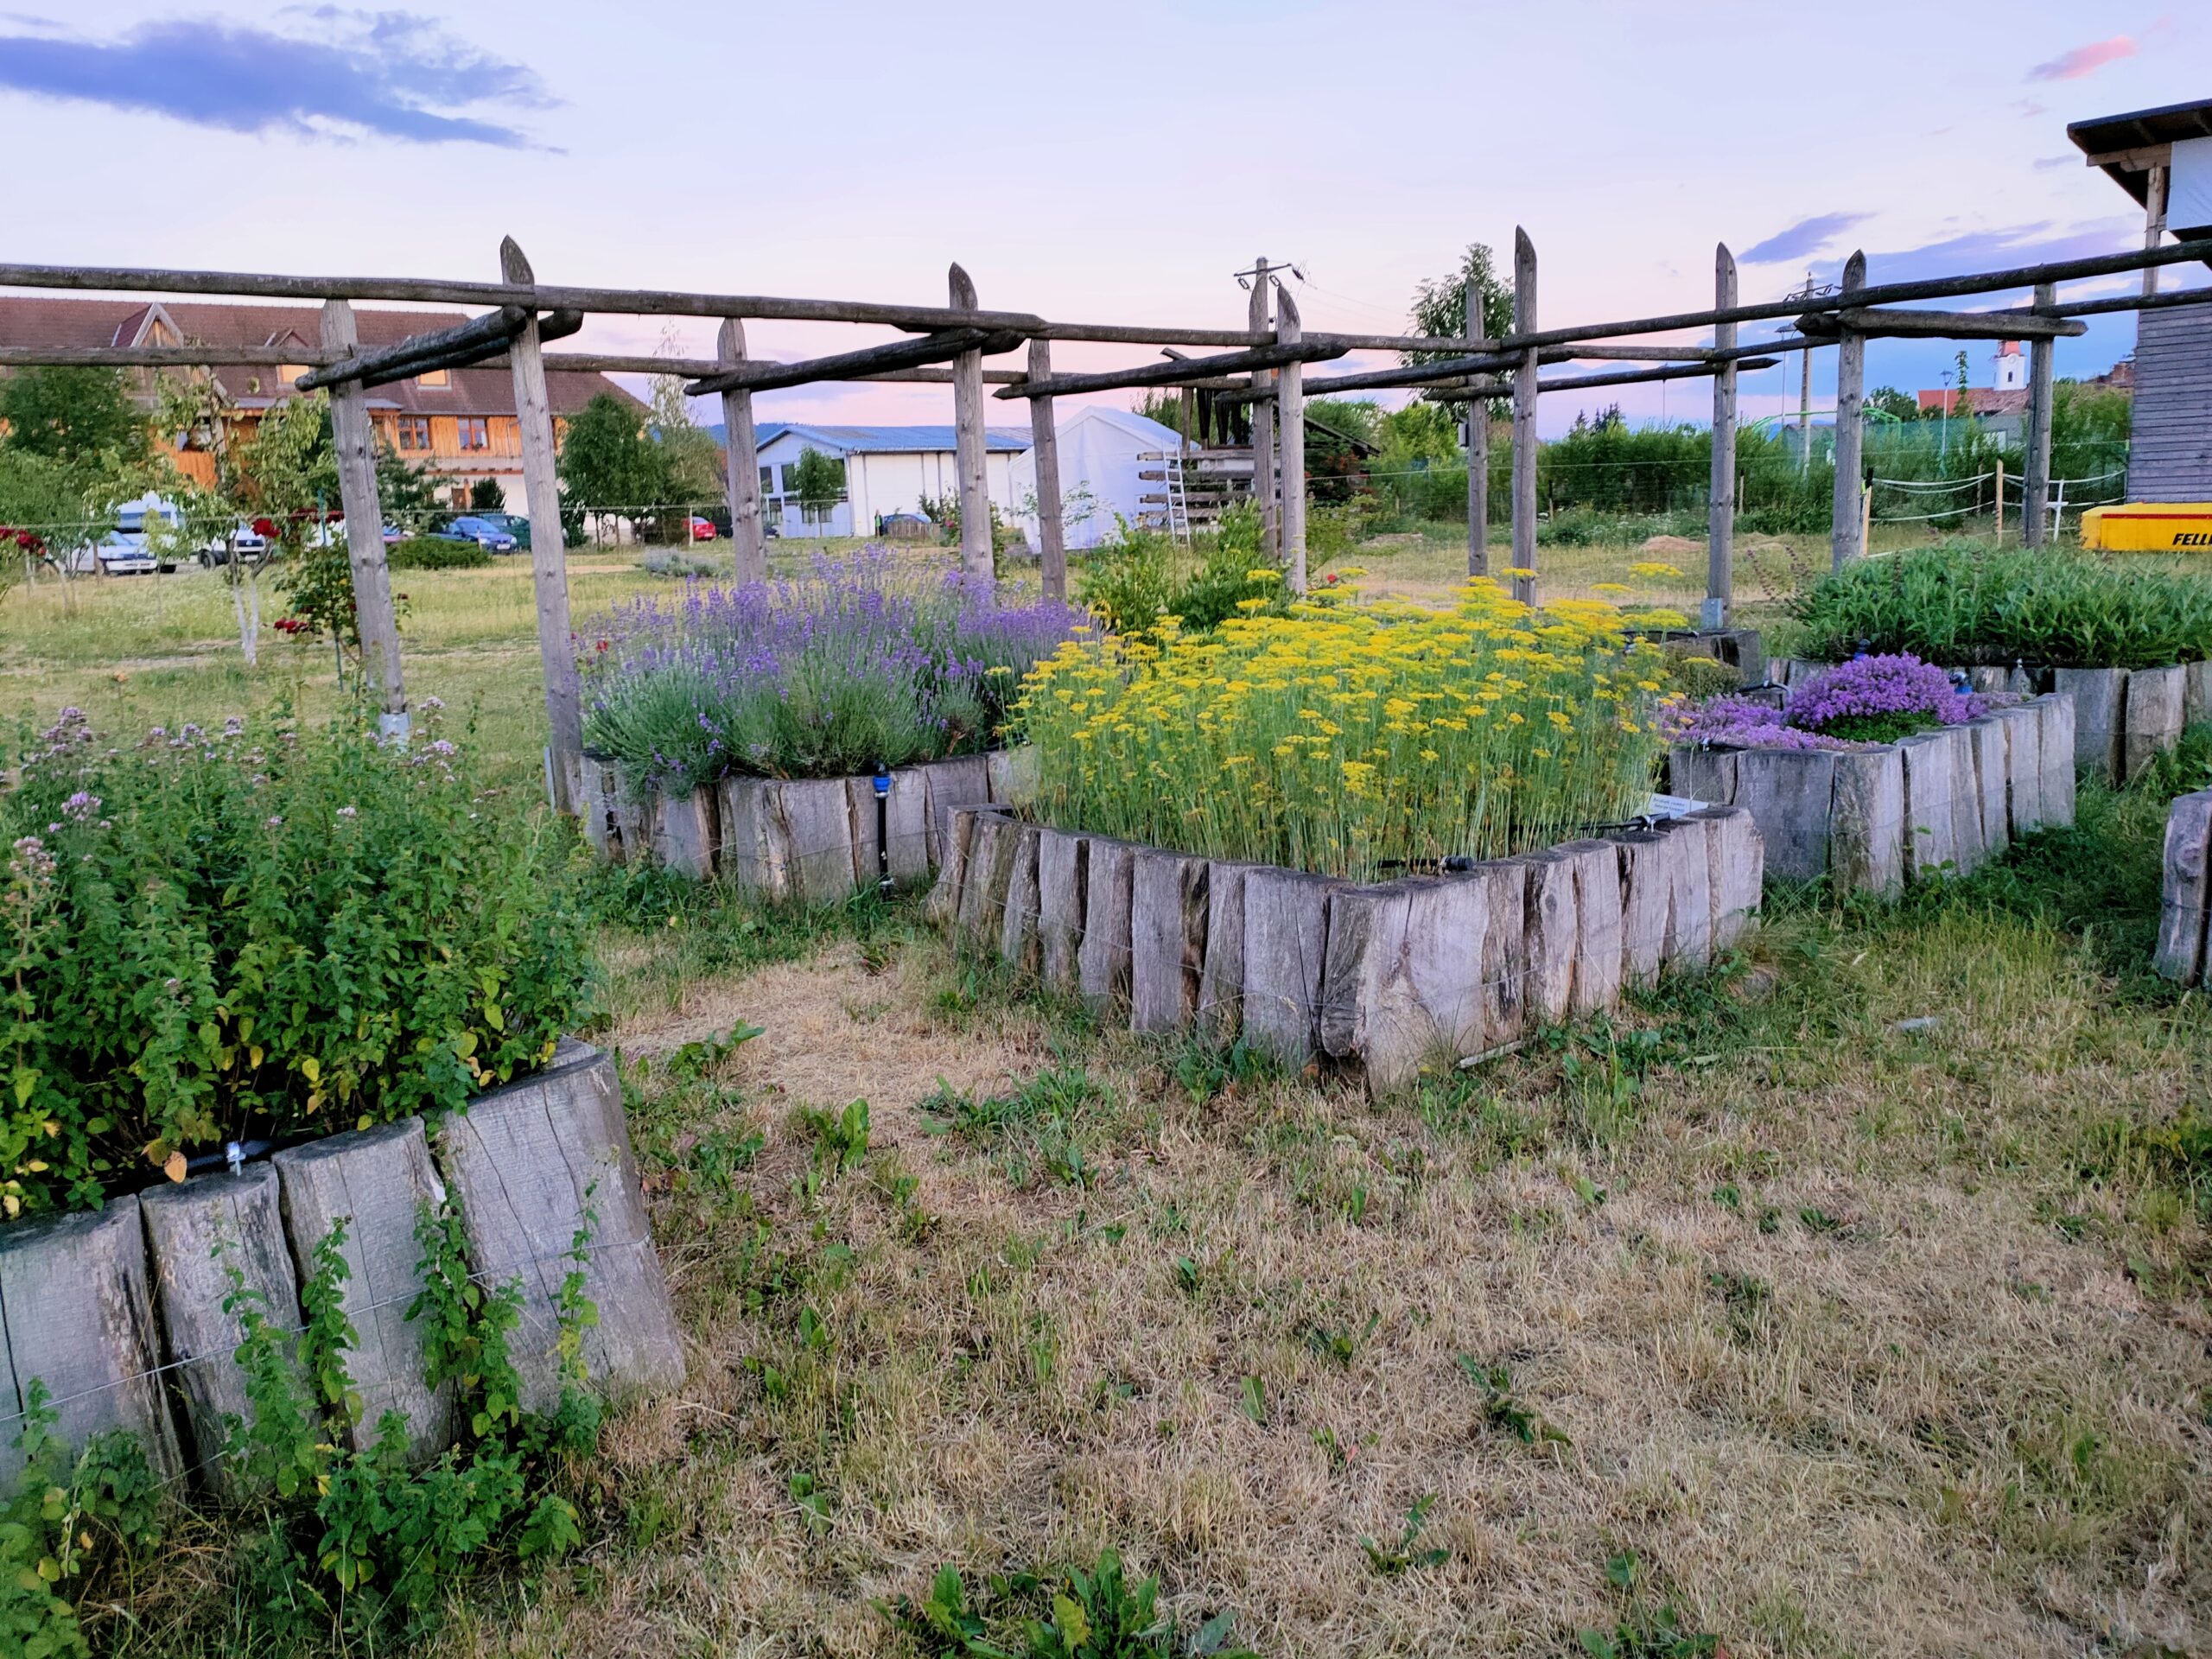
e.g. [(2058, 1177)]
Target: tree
[(484, 495), (821, 482), (407, 496), (76, 415), (608, 461), (692, 460), (1440, 307), (1891, 402)]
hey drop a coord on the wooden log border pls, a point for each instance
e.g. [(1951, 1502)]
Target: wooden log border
[(1396, 979), (2122, 718), (120, 1311), (810, 840), (1935, 805), (2186, 890)]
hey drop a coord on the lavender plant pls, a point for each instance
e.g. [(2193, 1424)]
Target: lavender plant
[(856, 665), (1867, 700)]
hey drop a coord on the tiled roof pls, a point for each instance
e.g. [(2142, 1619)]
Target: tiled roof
[(891, 440), (1979, 400), (46, 320)]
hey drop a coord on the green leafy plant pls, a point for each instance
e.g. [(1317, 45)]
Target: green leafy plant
[(1644, 1632), (274, 929), (1503, 1411), (68, 1518), (840, 1138), (1392, 1560), (1960, 605), (437, 553)]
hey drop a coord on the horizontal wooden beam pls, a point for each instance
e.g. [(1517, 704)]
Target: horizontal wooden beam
[(691, 368), (1586, 382), (2140, 159), (486, 334), (1875, 322), (2158, 302), (161, 357), (849, 366), (1182, 370)]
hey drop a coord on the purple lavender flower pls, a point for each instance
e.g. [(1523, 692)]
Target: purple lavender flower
[(1874, 687)]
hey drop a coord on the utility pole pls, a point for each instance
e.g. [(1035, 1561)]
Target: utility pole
[(1804, 389)]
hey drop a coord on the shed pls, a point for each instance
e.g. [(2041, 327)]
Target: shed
[(1100, 449), (888, 470)]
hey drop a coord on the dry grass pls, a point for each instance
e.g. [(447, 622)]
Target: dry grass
[(1855, 1351)]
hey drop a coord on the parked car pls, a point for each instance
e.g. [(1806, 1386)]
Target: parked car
[(247, 543), (515, 523), (117, 555), (131, 520), (474, 527), (703, 529)]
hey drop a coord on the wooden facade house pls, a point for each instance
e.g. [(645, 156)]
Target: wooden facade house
[(457, 425)]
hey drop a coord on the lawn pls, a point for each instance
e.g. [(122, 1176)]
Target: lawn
[(1852, 1302)]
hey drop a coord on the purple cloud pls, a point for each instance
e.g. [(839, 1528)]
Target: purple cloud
[(1806, 236), (2084, 60), (391, 75)]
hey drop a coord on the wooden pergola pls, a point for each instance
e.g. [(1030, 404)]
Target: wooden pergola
[(1262, 364)]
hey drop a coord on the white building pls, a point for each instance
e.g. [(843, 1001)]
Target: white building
[(1101, 451), (889, 469)]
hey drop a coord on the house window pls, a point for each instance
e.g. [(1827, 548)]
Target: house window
[(767, 481), (413, 431), (435, 378), (475, 432)]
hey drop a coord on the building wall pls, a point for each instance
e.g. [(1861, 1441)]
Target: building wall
[(2169, 451), (877, 483)]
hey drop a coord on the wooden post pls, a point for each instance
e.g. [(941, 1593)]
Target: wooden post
[(1720, 516), (1290, 417), (741, 461), (354, 438), (1524, 421), (1045, 448), (1478, 487), (2000, 502), (2154, 221), (2034, 505), (549, 558), (1261, 317), (1846, 526), (977, 560)]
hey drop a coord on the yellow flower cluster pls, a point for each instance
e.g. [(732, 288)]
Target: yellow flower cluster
[(1352, 740)]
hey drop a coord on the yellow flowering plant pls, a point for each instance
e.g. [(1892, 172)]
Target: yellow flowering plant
[(1352, 740)]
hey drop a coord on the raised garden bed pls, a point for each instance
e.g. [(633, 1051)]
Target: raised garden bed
[(1396, 977), (120, 1311), (2123, 717), (810, 840), (1873, 820)]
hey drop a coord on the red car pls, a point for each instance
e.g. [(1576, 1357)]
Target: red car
[(703, 529)]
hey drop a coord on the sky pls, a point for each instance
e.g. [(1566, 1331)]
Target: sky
[(1092, 164)]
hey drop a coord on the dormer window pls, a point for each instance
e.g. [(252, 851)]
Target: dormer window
[(436, 378)]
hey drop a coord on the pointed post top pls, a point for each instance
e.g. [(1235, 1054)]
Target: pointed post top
[(729, 341), (514, 266), (1524, 282), (962, 288), (1287, 312), (339, 332), (1522, 247), (1257, 311), (1854, 269), (1722, 258)]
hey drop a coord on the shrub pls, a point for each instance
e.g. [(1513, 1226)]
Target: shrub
[(436, 553), (1350, 742), (1962, 606), (1141, 575), (855, 666), (270, 929)]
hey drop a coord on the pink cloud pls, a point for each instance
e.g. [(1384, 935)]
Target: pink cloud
[(2084, 60)]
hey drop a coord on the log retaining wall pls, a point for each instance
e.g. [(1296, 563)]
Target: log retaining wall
[(120, 1312), (1399, 978), (808, 841), (1938, 804)]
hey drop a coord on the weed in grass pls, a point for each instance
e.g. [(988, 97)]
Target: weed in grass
[(1503, 1411), (1744, 1301), (1644, 1632), (1252, 1396), (1079, 1615), (1047, 1122), (1187, 1276), (1392, 1560), (840, 1143), (720, 1154), (1342, 1346), (813, 1503)]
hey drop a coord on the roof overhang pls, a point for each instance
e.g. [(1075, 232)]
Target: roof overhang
[(2128, 146)]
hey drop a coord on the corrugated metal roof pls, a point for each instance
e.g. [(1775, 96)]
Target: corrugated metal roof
[(889, 439)]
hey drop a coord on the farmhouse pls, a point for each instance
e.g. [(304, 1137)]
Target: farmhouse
[(458, 425), (2162, 158), (887, 469)]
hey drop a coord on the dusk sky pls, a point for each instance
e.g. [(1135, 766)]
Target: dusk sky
[(1095, 164)]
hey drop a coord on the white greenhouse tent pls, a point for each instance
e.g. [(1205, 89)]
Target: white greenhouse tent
[(1099, 448)]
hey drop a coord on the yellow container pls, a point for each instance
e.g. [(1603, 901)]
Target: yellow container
[(2150, 527)]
